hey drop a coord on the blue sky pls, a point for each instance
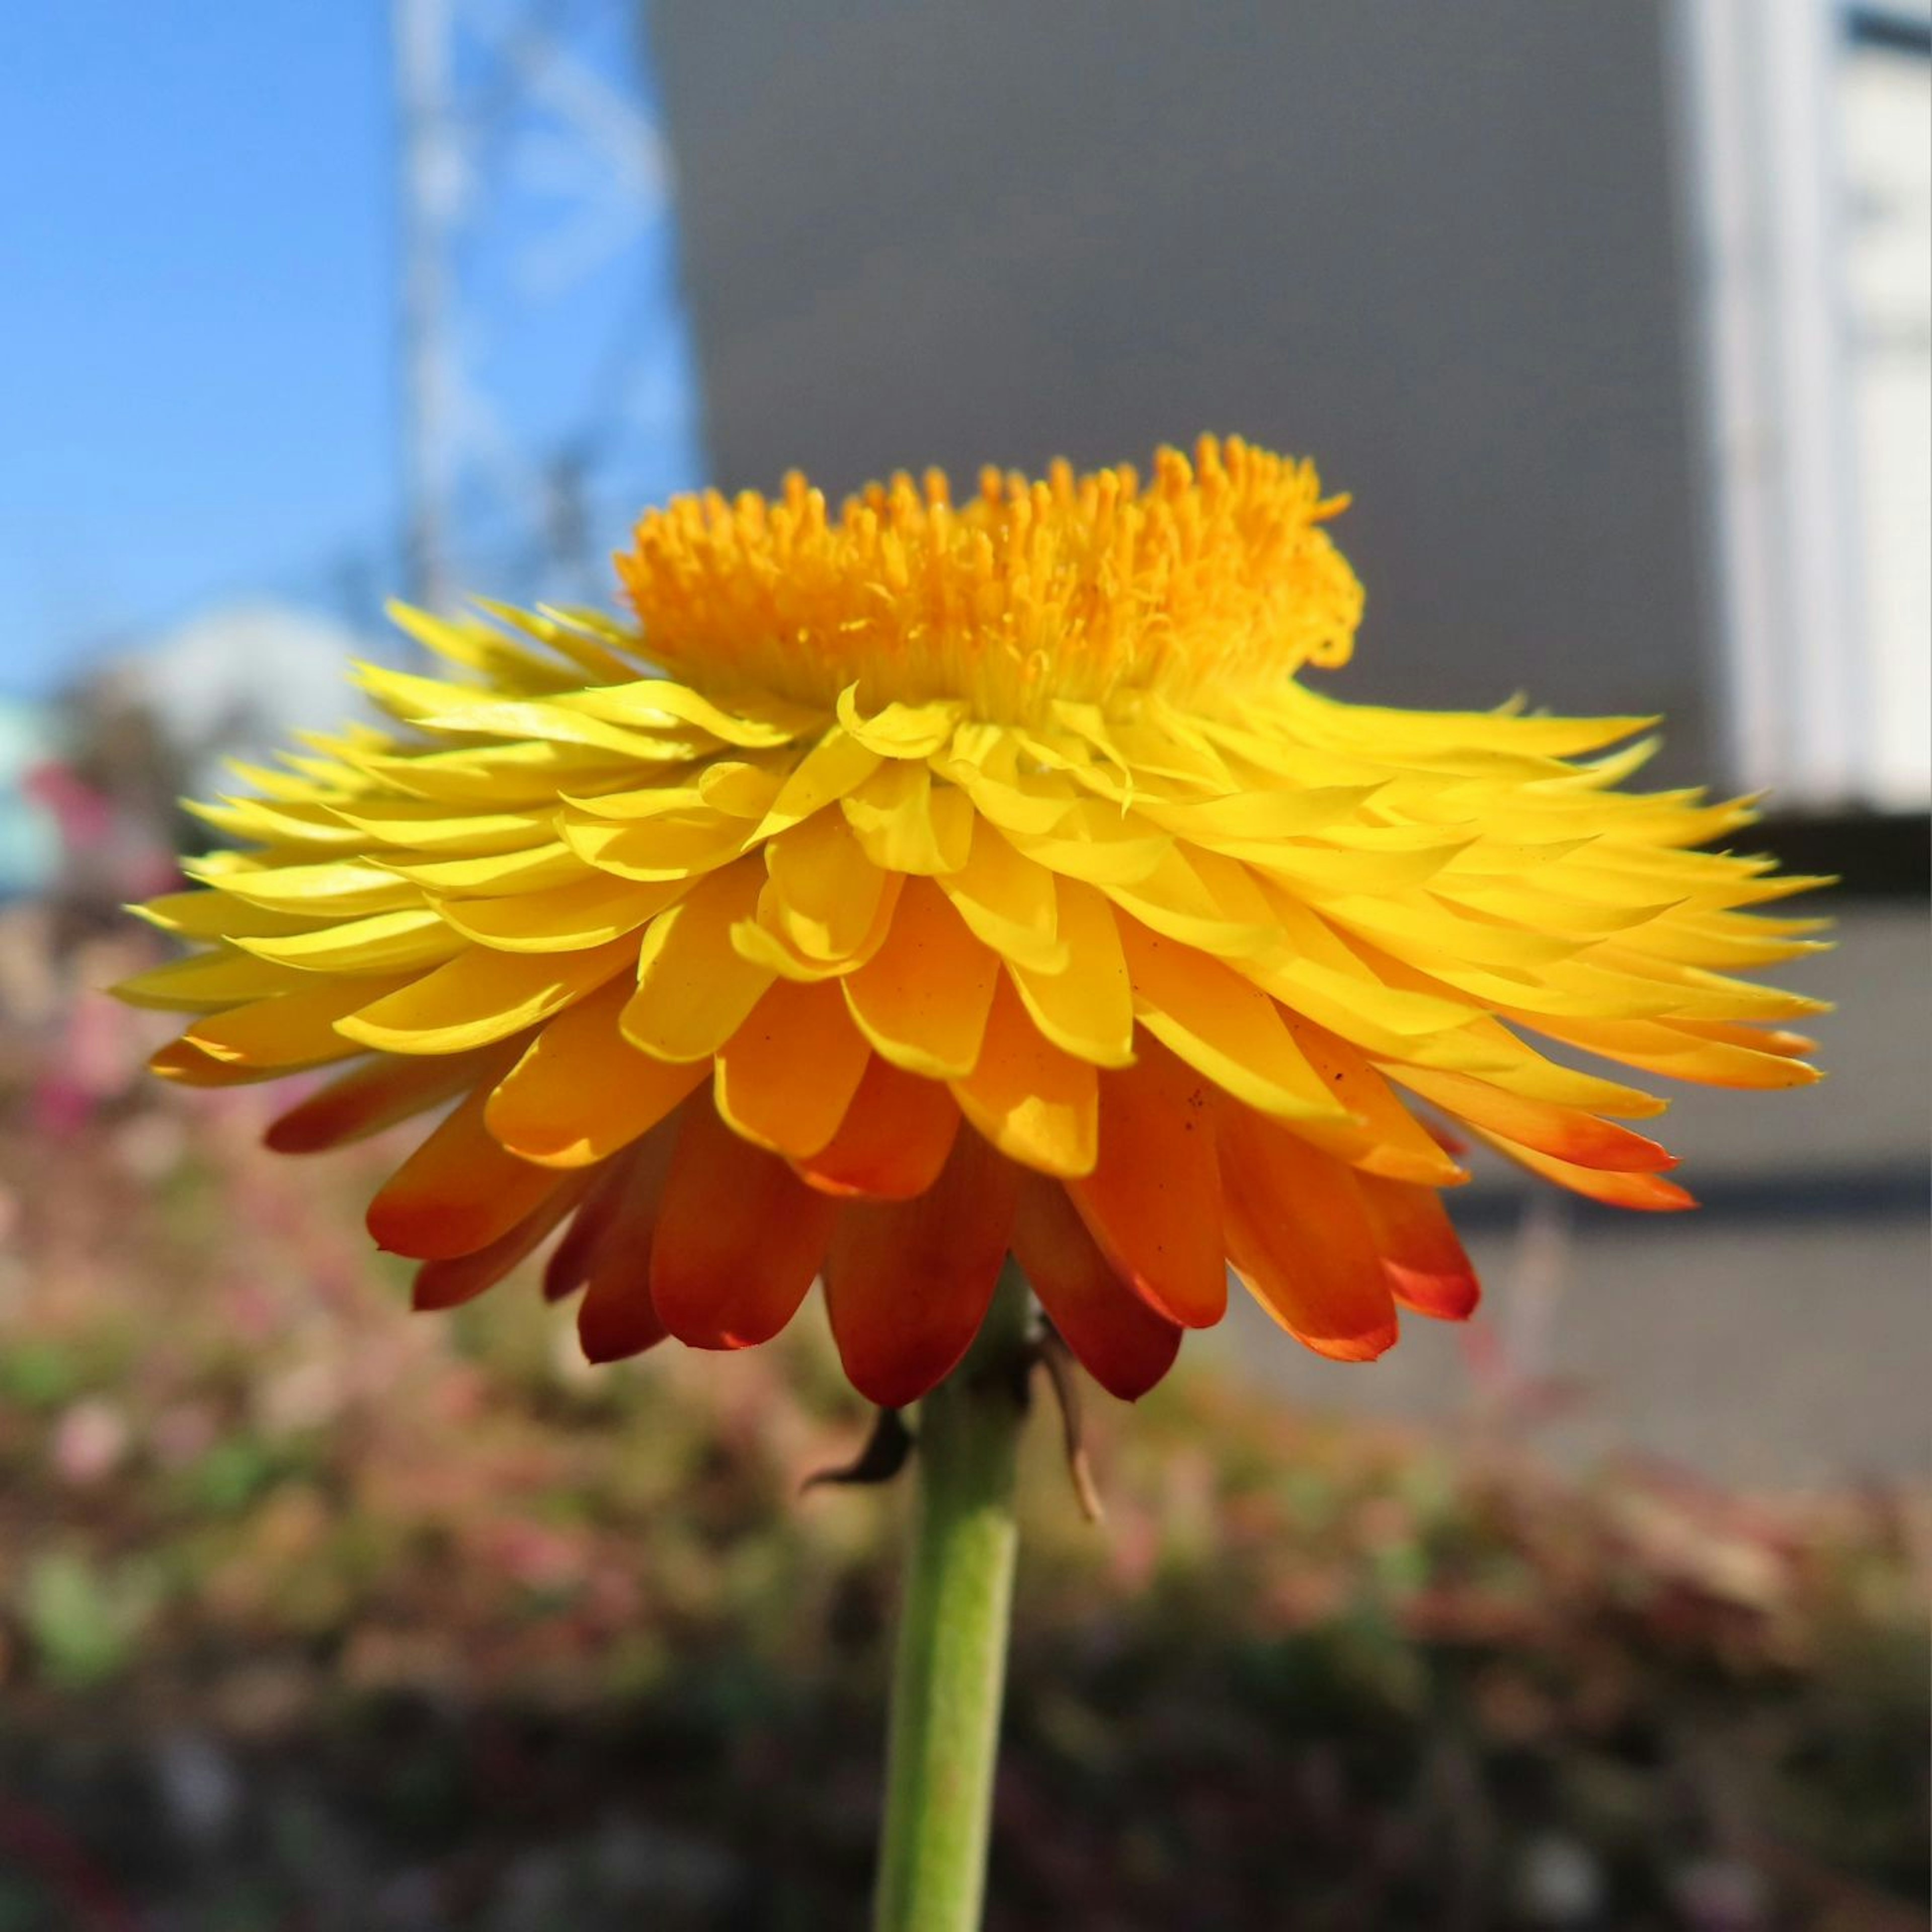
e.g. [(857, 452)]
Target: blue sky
[(197, 223)]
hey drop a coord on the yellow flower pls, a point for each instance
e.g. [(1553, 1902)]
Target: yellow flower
[(941, 881)]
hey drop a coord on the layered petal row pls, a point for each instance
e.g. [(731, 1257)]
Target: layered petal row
[(1140, 964)]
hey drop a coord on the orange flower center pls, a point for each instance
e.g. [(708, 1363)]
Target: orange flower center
[(1215, 575)]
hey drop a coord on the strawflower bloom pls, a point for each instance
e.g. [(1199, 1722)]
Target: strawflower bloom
[(899, 889), (901, 893)]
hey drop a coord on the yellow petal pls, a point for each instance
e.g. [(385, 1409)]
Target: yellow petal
[(730, 786), (206, 983), (1659, 1048), (656, 849), (293, 1030), (1285, 813), (901, 731), (1086, 1007), (765, 942), (430, 825), (340, 888), (653, 704), (1039, 1106), (1226, 1029), (314, 830), (535, 869), (1173, 899), (481, 997), (211, 913), (480, 647), (1007, 901), (385, 942), (831, 768), (1398, 1147), (1096, 842), (567, 919), (826, 887), (907, 825), (694, 989)]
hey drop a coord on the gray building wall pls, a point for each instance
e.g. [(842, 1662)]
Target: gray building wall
[(1433, 246)]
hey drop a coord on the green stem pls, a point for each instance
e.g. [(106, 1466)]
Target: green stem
[(951, 1666)]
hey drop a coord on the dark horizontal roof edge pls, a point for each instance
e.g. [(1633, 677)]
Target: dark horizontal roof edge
[(1890, 28), (1874, 854), (1889, 1190)]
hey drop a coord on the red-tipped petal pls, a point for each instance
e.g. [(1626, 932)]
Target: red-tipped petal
[(738, 1239), (374, 1096), (1120, 1342), (573, 1257), (907, 1282), (457, 1192), (1649, 1193), (447, 1284), (617, 1317), (1301, 1237), (1153, 1201), (1565, 1133), (1421, 1255)]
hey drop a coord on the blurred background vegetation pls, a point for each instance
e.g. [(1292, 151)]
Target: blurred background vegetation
[(316, 1614)]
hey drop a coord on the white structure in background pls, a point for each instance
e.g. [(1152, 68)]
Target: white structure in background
[(235, 681), (1885, 113), (1810, 134), (535, 216), (29, 839)]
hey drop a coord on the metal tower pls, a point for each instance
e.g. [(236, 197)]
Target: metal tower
[(547, 388)]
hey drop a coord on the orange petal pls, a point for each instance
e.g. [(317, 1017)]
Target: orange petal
[(907, 1282), (374, 1096), (738, 1239), (1423, 1259), (1036, 1104), (1153, 1201), (922, 998), (446, 1284), (1650, 1193), (1123, 1344), (581, 1090), (786, 1077), (1400, 1147), (1300, 1235), (617, 1317), (893, 1141), (1568, 1133), (457, 1192)]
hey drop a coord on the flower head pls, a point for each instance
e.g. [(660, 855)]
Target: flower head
[(906, 889)]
